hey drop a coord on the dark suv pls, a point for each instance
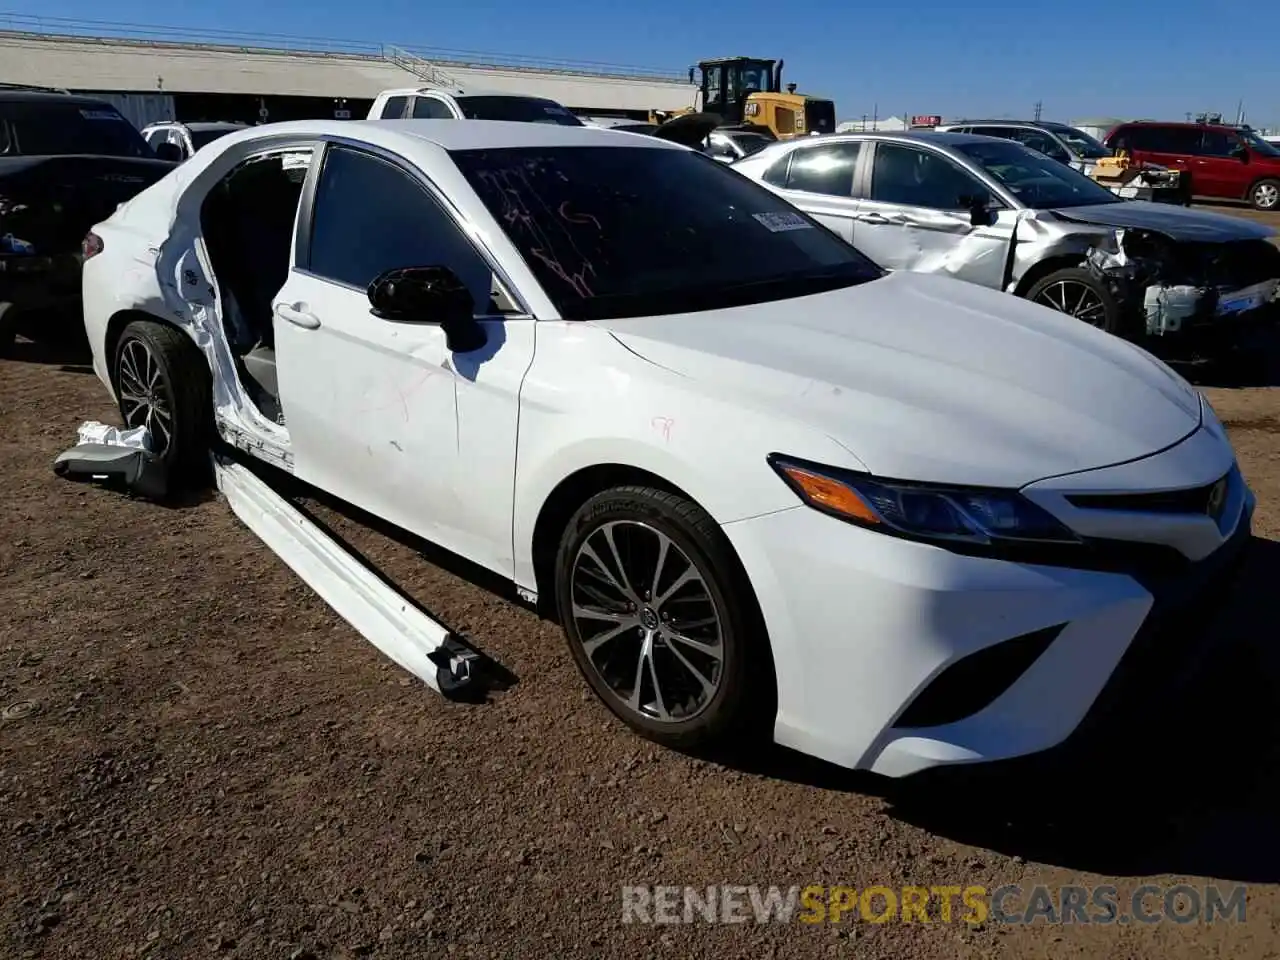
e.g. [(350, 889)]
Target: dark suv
[(1222, 162), (66, 163)]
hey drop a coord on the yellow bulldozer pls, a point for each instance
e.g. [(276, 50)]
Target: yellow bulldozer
[(746, 93)]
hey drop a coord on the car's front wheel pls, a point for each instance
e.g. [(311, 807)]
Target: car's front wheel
[(1078, 293), (163, 383), (662, 622)]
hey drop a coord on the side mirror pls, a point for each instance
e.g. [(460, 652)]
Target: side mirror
[(429, 295), (169, 151), (979, 207), (1241, 153)]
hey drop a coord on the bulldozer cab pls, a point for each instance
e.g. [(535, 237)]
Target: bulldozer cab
[(726, 84), (747, 92)]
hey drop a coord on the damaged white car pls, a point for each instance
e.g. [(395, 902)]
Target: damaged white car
[(998, 214), (894, 521)]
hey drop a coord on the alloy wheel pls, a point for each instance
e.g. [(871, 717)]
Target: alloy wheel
[(1266, 196), (144, 395), (1075, 299), (647, 621)]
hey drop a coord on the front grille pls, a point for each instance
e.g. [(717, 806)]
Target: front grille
[(1194, 500), (1230, 266)]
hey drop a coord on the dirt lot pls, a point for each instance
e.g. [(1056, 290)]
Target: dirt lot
[(198, 758)]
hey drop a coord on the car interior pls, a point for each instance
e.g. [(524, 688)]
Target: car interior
[(248, 221)]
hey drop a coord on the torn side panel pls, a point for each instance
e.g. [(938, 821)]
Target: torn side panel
[(384, 617)]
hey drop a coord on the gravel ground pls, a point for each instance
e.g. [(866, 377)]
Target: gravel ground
[(198, 758)]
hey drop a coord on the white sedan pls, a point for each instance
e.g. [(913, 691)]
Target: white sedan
[(892, 521)]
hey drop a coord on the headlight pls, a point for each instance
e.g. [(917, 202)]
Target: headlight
[(921, 511)]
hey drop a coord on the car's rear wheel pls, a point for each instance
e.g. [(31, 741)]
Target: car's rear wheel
[(1265, 195), (662, 622), (163, 383), (1078, 293)]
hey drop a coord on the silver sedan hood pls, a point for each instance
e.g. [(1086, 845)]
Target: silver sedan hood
[(1177, 223), (928, 378)]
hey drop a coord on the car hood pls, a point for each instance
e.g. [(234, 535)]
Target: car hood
[(929, 378), (1177, 223)]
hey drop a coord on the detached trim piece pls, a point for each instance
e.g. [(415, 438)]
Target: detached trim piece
[(382, 616)]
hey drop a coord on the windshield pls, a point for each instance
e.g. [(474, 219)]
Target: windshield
[(1037, 181), (1081, 144), (521, 109), (64, 129), (616, 232), (1258, 145), (201, 137)]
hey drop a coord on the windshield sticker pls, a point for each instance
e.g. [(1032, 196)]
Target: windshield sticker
[(294, 161), (782, 222), (100, 115)]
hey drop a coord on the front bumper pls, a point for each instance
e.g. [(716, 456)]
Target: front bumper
[(865, 628)]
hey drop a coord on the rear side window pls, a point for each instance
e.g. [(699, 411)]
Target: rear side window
[(1177, 140), (430, 108), (1004, 133), (776, 174), (393, 109), (372, 216), (826, 170)]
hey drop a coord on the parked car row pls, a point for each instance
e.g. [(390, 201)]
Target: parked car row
[(1006, 216)]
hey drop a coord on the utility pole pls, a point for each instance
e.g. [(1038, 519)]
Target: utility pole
[(1038, 110)]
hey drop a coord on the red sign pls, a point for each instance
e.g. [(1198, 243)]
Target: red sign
[(928, 121)]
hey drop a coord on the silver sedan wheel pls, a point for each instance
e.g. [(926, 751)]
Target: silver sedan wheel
[(1266, 196), (1076, 299), (647, 622), (144, 397)]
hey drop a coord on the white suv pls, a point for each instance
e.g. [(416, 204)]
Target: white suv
[(455, 103)]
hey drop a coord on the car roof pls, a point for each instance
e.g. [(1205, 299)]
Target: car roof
[(996, 123), (213, 125), (942, 138), (463, 134), (458, 93), (1177, 123), (49, 96)]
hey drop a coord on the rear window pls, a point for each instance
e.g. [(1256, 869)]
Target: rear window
[(521, 109), (62, 129)]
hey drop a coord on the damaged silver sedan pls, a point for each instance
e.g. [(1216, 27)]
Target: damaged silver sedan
[(998, 214)]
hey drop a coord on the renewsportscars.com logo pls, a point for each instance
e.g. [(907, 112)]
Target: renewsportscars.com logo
[(1009, 904)]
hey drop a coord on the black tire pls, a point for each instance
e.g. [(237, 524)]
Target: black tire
[(183, 383), (8, 327), (742, 708), (1045, 292), (1265, 196)]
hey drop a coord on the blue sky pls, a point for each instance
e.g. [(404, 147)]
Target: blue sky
[(928, 56)]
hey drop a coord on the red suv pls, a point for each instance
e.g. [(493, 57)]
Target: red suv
[(1223, 163)]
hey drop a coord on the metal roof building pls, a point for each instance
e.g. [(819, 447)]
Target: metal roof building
[(237, 64)]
